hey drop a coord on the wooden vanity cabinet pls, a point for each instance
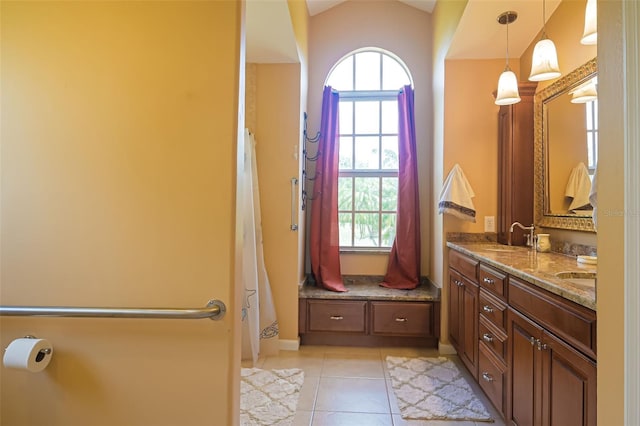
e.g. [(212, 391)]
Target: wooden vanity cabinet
[(551, 382), (515, 164), (463, 309)]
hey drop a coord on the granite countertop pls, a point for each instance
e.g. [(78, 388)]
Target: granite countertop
[(369, 289), (536, 268)]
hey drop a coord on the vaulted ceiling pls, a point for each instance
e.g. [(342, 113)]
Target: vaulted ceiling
[(270, 37)]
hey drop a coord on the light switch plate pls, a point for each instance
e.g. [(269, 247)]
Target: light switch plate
[(489, 224)]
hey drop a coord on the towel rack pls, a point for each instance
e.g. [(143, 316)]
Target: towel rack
[(214, 310)]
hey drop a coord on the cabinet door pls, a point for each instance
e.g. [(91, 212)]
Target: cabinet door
[(525, 380), (469, 318), (455, 290), (569, 382)]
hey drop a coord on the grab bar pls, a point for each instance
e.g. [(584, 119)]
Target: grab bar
[(214, 310), (294, 210)]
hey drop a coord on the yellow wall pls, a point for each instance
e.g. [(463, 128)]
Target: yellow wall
[(119, 127), (277, 140), (405, 31), (611, 210)]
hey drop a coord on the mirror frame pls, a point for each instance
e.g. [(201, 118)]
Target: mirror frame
[(541, 165)]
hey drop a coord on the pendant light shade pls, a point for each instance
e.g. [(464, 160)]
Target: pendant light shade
[(585, 93), (590, 35), (507, 89), (507, 93), (544, 64)]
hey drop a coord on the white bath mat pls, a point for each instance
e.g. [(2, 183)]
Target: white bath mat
[(433, 389), (269, 397)]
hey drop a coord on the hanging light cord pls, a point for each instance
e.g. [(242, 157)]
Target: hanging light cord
[(507, 61), (544, 15)]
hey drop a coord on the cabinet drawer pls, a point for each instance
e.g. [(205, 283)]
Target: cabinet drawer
[(402, 318), (464, 264), (493, 280), (494, 338), (568, 320), (333, 315), (493, 309), (492, 378)]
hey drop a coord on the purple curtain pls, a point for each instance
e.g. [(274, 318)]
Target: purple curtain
[(324, 244), (403, 271)]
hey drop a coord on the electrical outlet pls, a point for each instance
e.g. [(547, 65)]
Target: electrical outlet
[(489, 224)]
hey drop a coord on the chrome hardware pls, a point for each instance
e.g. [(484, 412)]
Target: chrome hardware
[(541, 346), (487, 337), (488, 281), (486, 376), (336, 317), (458, 283), (401, 319), (530, 236), (532, 340), (487, 308)]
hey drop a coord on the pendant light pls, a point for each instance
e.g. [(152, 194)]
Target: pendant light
[(544, 64), (585, 93), (508, 83), (590, 35)]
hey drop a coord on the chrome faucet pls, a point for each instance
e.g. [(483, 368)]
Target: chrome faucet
[(530, 235)]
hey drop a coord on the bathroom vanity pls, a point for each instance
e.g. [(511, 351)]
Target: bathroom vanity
[(524, 324), (369, 315)]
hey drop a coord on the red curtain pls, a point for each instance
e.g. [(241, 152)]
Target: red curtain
[(403, 271), (324, 241)]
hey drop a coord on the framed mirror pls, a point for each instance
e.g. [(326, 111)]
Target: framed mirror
[(565, 150)]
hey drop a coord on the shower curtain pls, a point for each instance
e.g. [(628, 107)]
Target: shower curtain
[(259, 323)]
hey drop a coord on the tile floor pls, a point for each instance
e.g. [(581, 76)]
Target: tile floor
[(349, 386)]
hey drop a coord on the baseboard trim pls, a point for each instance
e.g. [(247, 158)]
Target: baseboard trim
[(446, 349), (289, 345)]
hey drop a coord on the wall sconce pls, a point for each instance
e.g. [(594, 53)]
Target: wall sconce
[(544, 64), (590, 35), (585, 93), (508, 83)]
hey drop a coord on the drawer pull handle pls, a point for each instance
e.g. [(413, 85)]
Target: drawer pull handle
[(336, 317), (487, 337), (487, 308), (399, 319), (532, 340), (488, 281), (541, 346), (486, 376), (458, 283)]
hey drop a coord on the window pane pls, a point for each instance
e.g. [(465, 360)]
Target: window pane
[(367, 117), (367, 194), (589, 108), (346, 117), (388, 229), (394, 77), (390, 152), (345, 193), (346, 153), (367, 71), (341, 77), (590, 150), (365, 230), (390, 117), (345, 228), (390, 194), (367, 153)]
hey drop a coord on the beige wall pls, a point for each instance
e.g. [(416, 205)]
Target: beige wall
[(406, 32), (277, 139), (119, 126)]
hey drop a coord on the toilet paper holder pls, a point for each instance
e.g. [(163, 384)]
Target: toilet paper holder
[(41, 352)]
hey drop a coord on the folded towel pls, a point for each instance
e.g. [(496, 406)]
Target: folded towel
[(456, 195), (578, 187), (593, 197)]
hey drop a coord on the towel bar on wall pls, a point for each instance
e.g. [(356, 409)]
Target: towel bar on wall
[(214, 310)]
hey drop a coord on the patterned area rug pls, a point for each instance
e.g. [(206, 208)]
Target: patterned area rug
[(433, 389), (269, 397)]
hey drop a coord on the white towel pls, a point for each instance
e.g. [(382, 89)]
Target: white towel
[(578, 187), (456, 195), (593, 198)]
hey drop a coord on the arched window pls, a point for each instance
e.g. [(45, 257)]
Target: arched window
[(368, 81)]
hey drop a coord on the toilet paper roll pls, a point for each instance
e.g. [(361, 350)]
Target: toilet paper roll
[(28, 354)]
